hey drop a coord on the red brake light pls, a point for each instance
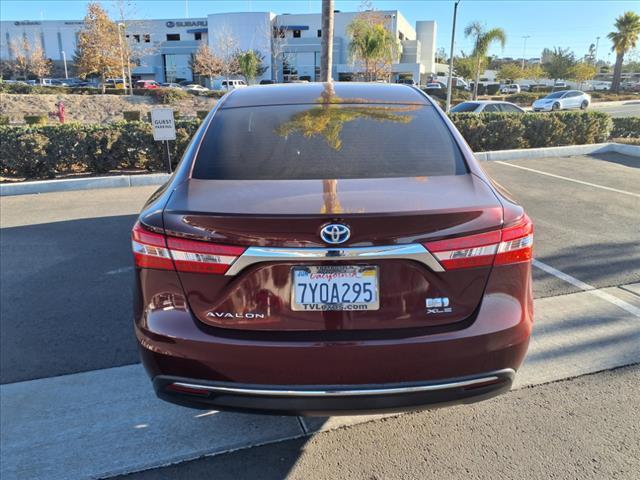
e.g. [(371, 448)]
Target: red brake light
[(153, 250), (150, 249), (510, 245), (203, 257)]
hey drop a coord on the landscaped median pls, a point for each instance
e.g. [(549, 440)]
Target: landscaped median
[(53, 151)]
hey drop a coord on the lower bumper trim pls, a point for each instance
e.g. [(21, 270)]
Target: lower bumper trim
[(335, 399)]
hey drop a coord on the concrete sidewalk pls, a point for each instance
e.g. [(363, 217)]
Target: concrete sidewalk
[(108, 422), (584, 428)]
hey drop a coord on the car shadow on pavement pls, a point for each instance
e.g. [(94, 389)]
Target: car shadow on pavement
[(65, 303), (620, 159)]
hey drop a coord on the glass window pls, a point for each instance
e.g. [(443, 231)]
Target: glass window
[(147, 38), (173, 37), (319, 33), (556, 95), (465, 107), (505, 107), (297, 34), (197, 36), (329, 141), (136, 37), (492, 107)]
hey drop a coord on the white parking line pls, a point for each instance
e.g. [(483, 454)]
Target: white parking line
[(589, 184), (587, 288)]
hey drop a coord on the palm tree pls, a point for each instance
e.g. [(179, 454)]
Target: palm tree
[(483, 40), (624, 39), (373, 44)]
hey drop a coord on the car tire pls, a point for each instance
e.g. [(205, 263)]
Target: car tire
[(584, 105), (555, 107)]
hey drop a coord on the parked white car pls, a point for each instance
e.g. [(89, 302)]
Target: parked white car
[(486, 106), (563, 100), (600, 85), (194, 87), (511, 88)]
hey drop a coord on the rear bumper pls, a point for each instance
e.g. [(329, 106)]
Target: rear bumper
[(235, 366), (332, 399)]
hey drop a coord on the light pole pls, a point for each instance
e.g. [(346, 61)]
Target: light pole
[(453, 40), (524, 47), (64, 60), (595, 54)]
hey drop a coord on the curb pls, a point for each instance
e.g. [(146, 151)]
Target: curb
[(48, 186), (123, 181), (568, 151)]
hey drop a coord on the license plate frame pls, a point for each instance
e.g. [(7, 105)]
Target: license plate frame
[(341, 276)]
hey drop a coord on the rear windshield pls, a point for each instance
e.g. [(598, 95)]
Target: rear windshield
[(465, 107), (326, 142)]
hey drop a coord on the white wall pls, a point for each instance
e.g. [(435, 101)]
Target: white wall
[(426, 34)]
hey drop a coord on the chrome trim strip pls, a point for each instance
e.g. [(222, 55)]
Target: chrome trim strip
[(411, 251), (346, 393)]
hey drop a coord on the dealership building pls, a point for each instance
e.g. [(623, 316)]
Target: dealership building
[(289, 43)]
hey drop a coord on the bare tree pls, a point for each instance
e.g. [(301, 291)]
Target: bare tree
[(205, 63), (134, 44), (97, 52), (226, 49), (278, 47), (39, 64), (20, 51)]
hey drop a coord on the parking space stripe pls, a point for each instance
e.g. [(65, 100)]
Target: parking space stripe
[(589, 184), (587, 288)]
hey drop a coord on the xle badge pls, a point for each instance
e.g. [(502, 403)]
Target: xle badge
[(438, 305)]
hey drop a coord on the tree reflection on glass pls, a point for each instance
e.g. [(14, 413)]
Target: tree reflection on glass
[(327, 118)]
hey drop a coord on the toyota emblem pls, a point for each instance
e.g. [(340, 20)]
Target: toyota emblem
[(335, 233)]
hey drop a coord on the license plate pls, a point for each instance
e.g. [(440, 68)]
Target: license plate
[(335, 287)]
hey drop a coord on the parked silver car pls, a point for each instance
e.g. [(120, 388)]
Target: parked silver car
[(564, 100), (486, 106)]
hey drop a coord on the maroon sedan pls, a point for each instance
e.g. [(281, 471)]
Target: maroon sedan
[(331, 248)]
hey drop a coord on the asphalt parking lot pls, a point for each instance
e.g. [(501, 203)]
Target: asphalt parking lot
[(627, 108), (65, 309)]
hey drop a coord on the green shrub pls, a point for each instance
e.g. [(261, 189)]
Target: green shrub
[(44, 151), (210, 93), (168, 96), (36, 119), (4, 120), (132, 115), (14, 88), (500, 131), (628, 127), (201, 114)]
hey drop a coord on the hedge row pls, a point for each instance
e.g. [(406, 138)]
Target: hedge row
[(504, 131), (162, 95), (628, 127), (44, 151)]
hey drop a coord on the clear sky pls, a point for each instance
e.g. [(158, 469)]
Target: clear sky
[(572, 24)]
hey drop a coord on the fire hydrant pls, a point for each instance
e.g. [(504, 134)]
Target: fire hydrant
[(59, 113)]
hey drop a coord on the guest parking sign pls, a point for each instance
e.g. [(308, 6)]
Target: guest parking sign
[(164, 127)]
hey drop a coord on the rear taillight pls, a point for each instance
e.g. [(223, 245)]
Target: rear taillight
[(154, 250), (510, 245)]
